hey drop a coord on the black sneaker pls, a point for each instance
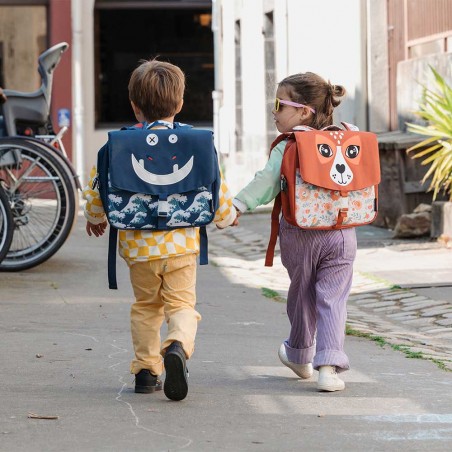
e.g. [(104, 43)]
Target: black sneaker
[(146, 383), (176, 386)]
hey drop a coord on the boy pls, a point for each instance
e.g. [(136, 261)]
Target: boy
[(163, 277)]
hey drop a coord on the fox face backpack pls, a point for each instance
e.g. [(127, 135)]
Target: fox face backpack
[(329, 180)]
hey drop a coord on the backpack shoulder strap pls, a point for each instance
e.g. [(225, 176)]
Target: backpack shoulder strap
[(274, 232), (112, 245), (278, 140), (203, 246)]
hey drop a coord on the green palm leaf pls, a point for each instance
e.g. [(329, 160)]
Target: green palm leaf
[(436, 151)]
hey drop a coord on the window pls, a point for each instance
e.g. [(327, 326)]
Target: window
[(270, 75), (180, 35)]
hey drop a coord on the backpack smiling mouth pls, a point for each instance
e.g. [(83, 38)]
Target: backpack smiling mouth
[(176, 176)]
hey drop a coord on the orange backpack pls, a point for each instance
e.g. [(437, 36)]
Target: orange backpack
[(329, 180)]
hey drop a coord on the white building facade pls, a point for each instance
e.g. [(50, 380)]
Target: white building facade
[(256, 44), (259, 42)]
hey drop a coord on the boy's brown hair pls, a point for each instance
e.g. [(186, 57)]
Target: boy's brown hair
[(157, 88)]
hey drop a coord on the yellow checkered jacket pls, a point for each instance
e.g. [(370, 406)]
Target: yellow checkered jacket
[(139, 246)]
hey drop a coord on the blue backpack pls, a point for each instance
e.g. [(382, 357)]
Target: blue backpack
[(158, 179)]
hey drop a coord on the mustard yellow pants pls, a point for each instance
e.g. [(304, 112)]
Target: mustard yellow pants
[(164, 289)]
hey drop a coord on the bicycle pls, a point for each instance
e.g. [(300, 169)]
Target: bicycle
[(35, 173), (6, 224)]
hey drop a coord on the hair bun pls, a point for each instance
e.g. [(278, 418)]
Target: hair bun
[(336, 90)]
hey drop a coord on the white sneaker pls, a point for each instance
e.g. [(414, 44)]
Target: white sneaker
[(328, 379), (302, 370)]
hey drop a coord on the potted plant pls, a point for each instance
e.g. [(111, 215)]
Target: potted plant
[(436, 150)]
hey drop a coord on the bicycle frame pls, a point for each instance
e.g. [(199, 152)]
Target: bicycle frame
[(62, 153)]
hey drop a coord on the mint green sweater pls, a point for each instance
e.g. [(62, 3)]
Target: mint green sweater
[(266, 183)]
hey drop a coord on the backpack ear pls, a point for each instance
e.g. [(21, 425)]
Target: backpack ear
[(331, 127), (348, 126)]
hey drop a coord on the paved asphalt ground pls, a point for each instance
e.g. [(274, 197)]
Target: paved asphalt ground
[(65, 347)]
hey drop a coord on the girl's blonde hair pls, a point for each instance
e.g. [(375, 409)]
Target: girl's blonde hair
[(311, 89), (157, 88)]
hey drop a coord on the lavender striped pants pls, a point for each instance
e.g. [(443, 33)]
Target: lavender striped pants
[(320, 266)]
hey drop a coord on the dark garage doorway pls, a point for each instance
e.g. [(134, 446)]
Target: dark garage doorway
[(180, 35)]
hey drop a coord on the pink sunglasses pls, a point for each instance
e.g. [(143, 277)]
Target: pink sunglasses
[(278, 102)]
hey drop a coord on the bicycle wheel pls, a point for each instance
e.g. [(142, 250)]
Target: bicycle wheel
[(43, 200), (6, 224), (63, 160)]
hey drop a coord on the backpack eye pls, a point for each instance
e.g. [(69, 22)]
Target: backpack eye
[(352, 151), (149, 157), (152, 139), (172, 138), (325, 150), (173, 157)]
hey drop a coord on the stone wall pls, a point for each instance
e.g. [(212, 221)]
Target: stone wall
[(401, 189)]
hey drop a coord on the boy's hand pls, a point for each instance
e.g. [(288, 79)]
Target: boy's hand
[(96, 229), (234, 223)]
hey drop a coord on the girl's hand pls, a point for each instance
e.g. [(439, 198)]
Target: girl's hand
[(96, 229), (238, 214)]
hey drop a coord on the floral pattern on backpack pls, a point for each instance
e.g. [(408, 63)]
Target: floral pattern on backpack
[(317, 207)]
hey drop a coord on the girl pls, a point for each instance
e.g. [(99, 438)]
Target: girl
[(319, 262)]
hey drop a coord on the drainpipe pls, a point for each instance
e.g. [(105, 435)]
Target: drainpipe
[(77, 92), (217, 94)]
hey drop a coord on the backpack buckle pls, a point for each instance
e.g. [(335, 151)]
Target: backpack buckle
[(283, 182), (343, 209), (343, 203), (163, 209)]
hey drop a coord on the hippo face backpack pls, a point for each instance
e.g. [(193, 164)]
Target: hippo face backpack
[(158, 180), (329, 180)]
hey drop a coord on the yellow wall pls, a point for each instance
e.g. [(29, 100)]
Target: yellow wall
[(23, 33)]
